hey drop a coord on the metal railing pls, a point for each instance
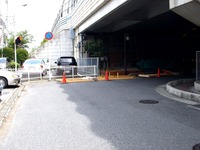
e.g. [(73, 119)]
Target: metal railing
[(86, 67), (57, 72)]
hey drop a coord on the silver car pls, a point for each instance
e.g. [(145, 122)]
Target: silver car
[(9, 78)]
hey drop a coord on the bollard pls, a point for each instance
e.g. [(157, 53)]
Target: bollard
[(64, 80), (106, 76), (158, 75)]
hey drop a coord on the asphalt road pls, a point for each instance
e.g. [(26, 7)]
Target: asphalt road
[(103, 115)]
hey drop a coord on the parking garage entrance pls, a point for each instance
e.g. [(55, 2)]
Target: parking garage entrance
[(167, 41)]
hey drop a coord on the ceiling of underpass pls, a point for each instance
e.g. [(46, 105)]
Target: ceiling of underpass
[(142, 14), (150, 19), (158, 32), (130, 13)]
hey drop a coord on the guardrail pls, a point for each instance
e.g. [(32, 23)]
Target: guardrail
[(57, 72)]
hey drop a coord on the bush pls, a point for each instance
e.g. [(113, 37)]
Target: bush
[(12, 65)]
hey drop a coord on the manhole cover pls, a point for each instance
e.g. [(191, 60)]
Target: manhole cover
[(196, 147), (149, 101)]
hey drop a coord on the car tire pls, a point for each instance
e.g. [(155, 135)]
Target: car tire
[(4, 82)]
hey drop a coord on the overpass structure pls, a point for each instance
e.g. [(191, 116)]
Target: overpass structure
[(130, 30)]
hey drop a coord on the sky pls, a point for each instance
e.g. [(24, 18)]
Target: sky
[(37, 17)]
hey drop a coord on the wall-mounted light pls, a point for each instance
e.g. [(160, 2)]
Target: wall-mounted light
[(127, 37)]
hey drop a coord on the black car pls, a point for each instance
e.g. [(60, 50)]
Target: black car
[(66, 64)]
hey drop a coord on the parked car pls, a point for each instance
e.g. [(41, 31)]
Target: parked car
[(9, 78), (46, 61), (34, 66), (3, 63), (66, 64), (1, 89)]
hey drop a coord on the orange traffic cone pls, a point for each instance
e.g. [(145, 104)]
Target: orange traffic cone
[(64, 80), (158, 75), (106, 76)]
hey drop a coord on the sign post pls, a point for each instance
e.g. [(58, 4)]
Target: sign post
[(49, 36)]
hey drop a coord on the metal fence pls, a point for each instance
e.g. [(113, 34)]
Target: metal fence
[(57, 72), (198, 66), (86, 67), (92, 61)]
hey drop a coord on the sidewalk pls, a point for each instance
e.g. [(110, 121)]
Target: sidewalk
[(8, 98)]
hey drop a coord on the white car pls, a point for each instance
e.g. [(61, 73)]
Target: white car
[(34, 66), (1, 89), (9, 78)]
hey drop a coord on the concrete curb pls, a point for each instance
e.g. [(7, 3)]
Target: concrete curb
[(8, 103), (171, 88)]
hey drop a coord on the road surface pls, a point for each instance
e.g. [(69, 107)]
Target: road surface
[(103, 115)]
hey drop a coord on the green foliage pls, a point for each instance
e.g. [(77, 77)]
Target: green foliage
[(12, 65), (10, 41), (8, 52), (22, 55), (95, 48), (44, 41), (26, 38)]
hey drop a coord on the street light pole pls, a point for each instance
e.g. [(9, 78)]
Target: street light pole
[(2, 39), (15, 51), (126, 38), (15, 46)]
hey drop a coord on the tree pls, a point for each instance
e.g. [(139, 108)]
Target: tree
[(95, 48), (8, 52), (22, 55), (10, 41), (26, 39), (44, 41)]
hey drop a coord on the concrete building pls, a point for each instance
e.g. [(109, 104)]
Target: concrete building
[(131, 30)]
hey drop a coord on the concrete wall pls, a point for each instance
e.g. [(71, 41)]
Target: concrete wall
[(188, 9), (61, 45), (176, 3)]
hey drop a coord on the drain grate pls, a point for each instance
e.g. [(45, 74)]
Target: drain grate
[(196, 147), (149, 101)]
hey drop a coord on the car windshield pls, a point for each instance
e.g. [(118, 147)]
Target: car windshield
[(32, 62), (66, 60)]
